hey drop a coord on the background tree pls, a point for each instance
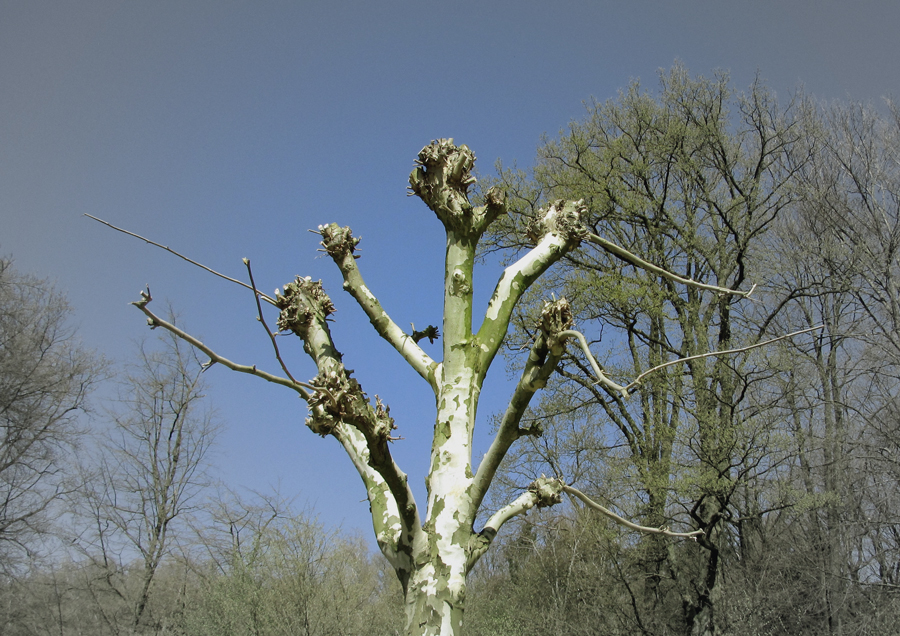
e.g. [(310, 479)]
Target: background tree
[(692, 179), (149, 475), (267, 570), (257, 568), (833, 260), (807, 539), (45, 379)]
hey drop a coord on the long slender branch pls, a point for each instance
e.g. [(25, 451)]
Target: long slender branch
[(268, 299), (624, 391), (156, 321), (262, 320), (541, 363), (637, 261), (637, 381), (574, 492)]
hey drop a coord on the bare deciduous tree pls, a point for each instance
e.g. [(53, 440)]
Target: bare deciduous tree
[(45, 378), (269, 570), (148, 477)]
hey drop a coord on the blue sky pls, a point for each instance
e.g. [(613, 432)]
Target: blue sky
[(228, 129)]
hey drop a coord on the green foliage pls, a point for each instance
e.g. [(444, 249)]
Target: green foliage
[(786, 456), (692, 178)]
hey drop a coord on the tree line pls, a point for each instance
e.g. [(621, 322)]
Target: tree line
[(783, 460)]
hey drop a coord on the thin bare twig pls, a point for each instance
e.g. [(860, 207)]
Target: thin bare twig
[(268, 299), (156, 321), (637, 381), (625, 391), (262, 320), (574, 492)]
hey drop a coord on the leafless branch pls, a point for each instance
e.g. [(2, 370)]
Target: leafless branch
[(574, 492), (268, 299), (525, 502), (540, 365), (637, 261), (262, 320), (155, 321), (624, 391), (341, 245), (637, 381)]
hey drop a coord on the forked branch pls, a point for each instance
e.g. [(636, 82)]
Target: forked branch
[(601, 377), (637, 381), (625, 391), (155, 321)]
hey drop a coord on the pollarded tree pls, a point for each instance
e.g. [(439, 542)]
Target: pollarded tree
[(433, 550)]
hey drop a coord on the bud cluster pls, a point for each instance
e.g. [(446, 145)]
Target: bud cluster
[(341, 399), (563, 218), (442, 178), (330, 405), (556, 316), (300, 302), (548, 491), (338, 241)]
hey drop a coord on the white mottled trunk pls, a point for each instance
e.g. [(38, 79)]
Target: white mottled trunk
[(435, 599)]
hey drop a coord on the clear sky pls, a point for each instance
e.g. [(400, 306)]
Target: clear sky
[(228, 129)]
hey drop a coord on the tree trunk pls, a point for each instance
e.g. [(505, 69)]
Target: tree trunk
[(435, 600)]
